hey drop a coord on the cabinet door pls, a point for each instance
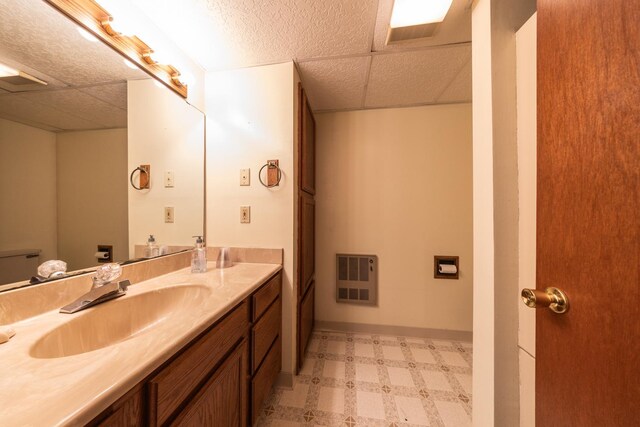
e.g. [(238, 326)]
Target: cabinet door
[(306, 242), (305, 322), (307, 144), (222, 401), (127, 412)]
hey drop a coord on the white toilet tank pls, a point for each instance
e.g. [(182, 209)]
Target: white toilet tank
[(18, 265)]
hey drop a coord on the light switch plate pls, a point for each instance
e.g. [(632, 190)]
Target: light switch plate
[(168, 179), (245, 177), (245, 214), (168, 214)]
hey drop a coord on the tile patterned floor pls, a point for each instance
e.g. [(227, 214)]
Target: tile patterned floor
[(372, 380)]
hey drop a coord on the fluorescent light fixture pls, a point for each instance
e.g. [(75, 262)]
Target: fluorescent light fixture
[(87, 35), (6, 71), (408, 13)]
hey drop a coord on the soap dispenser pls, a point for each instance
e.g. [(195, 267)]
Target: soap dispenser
[(151, 250), (199, 257)]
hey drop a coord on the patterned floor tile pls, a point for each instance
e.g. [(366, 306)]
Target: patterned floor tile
[(371, 380)]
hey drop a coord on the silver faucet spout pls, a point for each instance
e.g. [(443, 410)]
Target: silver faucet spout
[(96, 296)]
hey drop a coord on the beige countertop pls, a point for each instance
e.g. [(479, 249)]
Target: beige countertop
[(72, 390)]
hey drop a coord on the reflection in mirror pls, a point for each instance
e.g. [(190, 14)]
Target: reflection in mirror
[(68, 142)]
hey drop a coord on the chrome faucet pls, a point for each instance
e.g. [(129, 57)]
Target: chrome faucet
[(104, 289)]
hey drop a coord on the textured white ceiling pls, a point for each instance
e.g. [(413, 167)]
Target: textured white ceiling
[(335, 84), (86, 80), (336, 44), (223, 34), (414, 77)]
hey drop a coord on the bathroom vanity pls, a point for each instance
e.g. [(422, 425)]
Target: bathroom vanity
[(179, 349)]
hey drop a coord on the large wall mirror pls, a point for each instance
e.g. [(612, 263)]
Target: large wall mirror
[(75, 120)]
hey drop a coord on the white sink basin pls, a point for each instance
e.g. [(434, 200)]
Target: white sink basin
[(118, 320)]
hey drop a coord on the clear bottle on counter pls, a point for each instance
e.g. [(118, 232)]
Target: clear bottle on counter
[(152, 249), (199, 257)]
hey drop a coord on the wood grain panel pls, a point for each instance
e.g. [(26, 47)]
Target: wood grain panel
[(588, 230), (307, 144), (306, 316), (264, 379), (307, 243), (263, 298), (128, 411), (181, 377), (222, 402), (265, 332)]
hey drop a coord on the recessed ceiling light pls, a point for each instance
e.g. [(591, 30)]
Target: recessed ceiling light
[(130, 64), (407, 13), (87, 35)]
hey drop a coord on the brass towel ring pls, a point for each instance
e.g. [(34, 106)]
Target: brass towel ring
[(270, 165), (142, 170)]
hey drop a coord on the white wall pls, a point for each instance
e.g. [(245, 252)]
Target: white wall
[(167, 133), (527, 150), (496, 237), (396, 183), (250, 119), (27, 189), (483, 243), (92, 195)]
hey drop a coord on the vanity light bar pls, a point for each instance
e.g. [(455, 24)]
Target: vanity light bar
[(96, 20)]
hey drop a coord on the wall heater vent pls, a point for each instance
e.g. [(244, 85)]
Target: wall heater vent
[(357, 279)]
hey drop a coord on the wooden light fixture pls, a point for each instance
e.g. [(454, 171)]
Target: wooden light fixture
[(92, 17)]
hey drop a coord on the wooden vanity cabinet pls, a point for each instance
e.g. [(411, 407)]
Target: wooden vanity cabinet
[(266, 347), (221, 378)]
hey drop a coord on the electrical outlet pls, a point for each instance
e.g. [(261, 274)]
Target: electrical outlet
[(168, 214), (245, 176), (168, 179), (245, 214)]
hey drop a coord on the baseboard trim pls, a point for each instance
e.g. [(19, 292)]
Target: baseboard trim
[(285, 380), (442, 334)]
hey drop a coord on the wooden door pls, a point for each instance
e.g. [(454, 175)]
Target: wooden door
[(222, 401), (588, 219), (306, 222)]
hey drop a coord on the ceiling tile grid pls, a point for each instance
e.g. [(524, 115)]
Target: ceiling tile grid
[(415, 77), (335, 84), (337, 44)]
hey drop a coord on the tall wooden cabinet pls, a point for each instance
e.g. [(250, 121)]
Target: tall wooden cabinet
[(306, 223)]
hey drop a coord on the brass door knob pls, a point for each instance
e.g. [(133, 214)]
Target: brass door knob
[(553, 298)]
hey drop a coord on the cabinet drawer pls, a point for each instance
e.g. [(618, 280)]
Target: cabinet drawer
[(169, 388), (263, 298), (222, 401), (265, 332), (264, 379)]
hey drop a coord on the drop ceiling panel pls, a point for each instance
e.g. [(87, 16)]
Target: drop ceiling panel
[(335, 84), (414, 77), (235, 33), (114, 94), (79, 104), (460, 88), (25, 111), (456, 28)]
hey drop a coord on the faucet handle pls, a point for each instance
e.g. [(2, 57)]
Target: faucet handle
[(106, 273)]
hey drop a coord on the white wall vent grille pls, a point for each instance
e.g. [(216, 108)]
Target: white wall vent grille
[(357, 279)]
